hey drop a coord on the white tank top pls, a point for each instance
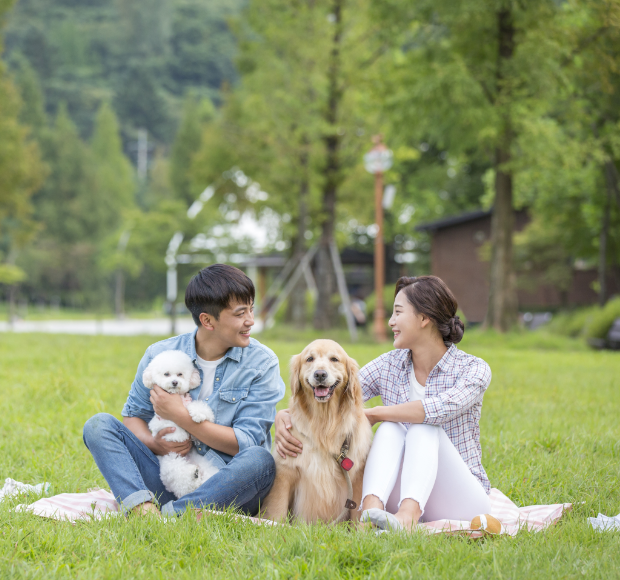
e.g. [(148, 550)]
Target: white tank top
[(416, 390)]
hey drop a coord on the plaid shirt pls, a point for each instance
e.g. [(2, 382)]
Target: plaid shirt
[(452, 399)]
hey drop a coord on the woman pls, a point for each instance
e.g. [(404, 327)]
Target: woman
[(425, 459)]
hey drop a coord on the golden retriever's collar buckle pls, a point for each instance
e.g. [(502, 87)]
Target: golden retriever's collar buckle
[(342, 459)]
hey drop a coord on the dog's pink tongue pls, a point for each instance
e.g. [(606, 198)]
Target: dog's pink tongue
[(321, 391)]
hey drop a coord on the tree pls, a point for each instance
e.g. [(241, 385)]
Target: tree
[(469, 78), (32, 111), (144, 55), (22, 173), (296, 122), (567, 174), (115, 184), (196, 113), (115, 189)]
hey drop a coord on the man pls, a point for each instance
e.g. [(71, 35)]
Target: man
[(241, 383)]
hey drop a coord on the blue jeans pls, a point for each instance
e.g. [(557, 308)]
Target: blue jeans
[(132, 472)]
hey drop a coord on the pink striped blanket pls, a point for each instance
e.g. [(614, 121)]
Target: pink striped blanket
[(98, 504)]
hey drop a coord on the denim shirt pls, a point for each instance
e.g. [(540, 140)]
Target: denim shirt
[(246, 388)]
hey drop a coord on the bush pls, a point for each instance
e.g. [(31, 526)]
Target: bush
[(603, 318), (590, 322), (574, 323)]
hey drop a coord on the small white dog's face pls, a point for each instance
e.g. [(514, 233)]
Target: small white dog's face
[(173, 371)]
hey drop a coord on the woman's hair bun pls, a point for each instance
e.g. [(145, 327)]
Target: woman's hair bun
[(431, 297), (457, 328)]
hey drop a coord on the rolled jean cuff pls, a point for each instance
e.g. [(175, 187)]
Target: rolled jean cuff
[(137, 498)]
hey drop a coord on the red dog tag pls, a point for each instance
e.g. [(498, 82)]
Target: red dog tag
[(346, 464)]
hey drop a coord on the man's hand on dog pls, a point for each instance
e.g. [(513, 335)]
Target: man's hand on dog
[(163, 447), (286, 444), (166, 405)]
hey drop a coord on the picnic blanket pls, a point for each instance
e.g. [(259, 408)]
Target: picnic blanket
[(98, 504)]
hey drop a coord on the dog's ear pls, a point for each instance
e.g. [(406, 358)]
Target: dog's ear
[(294, 374), (353, 388), (195, 380), (147, 377)]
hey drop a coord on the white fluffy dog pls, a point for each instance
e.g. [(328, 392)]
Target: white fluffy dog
[(173, 371)]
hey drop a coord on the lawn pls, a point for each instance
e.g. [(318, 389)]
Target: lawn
[(550, 434)]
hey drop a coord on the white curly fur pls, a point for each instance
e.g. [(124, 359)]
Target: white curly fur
[(173, 371)]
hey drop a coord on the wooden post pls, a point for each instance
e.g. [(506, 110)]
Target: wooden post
[(379, 317)]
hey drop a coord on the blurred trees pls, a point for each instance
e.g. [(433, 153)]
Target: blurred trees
[(81, 203), (470, 78), (142, 55), (299, 122), (492, 103), (196, 113), (67, 59), (22, 172)]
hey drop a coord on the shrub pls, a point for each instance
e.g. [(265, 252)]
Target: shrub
[(573, 323), (603, 318)]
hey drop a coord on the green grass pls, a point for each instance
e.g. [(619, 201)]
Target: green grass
[(550, 434)]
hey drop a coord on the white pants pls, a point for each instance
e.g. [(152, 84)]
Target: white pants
[(422, 464)]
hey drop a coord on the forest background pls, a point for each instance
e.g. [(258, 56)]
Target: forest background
[(485, 103)]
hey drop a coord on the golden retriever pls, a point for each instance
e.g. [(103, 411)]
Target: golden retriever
[(326, 407)]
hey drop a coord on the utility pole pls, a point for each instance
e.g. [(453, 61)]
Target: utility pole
[(377, 161)]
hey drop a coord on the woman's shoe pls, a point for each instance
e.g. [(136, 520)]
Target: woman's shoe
[(381, 519), (486, 523)]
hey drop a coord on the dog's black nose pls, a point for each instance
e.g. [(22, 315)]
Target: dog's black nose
[(320, 375), (175, 383)]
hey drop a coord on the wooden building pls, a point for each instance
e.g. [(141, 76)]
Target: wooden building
[(455, 258)]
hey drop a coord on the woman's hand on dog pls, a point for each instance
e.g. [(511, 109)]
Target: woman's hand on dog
[(286, 444), (373, 414), (166, 405), (162, 447)]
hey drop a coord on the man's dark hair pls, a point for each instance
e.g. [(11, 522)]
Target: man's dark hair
[(213, 289)]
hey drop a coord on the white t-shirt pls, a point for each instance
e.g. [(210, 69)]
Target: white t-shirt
[(416, 390), (208, 376)]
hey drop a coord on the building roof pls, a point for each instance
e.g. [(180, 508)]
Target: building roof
[(453, 220)]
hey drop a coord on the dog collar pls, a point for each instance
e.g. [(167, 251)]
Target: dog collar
[(346, 464)]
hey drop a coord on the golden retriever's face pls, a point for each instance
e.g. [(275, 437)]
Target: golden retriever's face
[(323, 367)]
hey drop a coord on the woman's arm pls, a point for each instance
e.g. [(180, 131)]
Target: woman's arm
[(468, 390), (412, 412)]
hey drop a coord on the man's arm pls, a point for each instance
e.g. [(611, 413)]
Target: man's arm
[(171, 407), (216, 436), (256, 413), (253, 418), (156, 443)]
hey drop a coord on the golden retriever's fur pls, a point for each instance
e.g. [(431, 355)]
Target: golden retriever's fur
[(312, 486)]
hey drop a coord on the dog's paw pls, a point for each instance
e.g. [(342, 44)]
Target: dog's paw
[(199, 411)]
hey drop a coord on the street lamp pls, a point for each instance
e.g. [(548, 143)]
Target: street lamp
[(377, 161)]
